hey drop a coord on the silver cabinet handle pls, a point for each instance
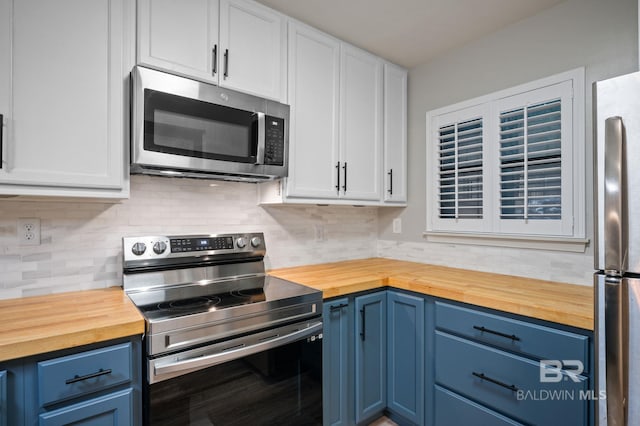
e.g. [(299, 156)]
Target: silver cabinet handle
[(615, 244)]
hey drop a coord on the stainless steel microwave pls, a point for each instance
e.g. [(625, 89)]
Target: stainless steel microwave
[(186, 128)]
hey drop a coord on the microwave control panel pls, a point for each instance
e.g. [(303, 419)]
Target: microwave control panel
[(274, 141)]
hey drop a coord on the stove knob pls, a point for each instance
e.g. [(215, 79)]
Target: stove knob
[(139, 248), (159, 247), (256, 241), (241, 242)]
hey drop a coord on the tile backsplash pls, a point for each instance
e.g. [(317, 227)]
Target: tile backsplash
[(81, 246), (574, 268)]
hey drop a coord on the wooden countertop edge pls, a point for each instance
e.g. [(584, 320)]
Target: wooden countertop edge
[(70, 340), (414, 278)]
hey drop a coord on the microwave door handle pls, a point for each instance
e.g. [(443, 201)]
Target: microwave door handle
[(614, 244), (261, 138)]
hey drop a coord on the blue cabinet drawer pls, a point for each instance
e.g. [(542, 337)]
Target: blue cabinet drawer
[(83, 373), (525, 338), (454, 410), (509, 384), (112, 409)]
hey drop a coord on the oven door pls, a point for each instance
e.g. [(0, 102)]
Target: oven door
[(266, 378)]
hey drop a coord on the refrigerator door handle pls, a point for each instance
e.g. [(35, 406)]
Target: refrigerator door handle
[(614, 244), (616, 350)]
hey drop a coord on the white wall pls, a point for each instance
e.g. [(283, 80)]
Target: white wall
[(600, 35), (82, 242)]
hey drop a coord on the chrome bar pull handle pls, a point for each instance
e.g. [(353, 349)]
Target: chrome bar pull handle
[(615, 244)]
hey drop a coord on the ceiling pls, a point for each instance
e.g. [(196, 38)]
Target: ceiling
[(409, 32)]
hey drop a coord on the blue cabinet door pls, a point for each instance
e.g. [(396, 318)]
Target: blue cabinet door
[(337, 387), (109, 410), (405, 352), (371, 355), (3, 398)]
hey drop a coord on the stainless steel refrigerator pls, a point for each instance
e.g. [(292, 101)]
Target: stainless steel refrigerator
[(617, 257)]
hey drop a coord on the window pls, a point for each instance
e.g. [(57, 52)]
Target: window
[(510, 163)]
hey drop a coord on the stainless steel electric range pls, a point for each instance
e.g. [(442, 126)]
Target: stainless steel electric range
[(225, 343)]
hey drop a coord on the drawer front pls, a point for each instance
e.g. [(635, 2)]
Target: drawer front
[(532, 340), (83, 373), (454, 410), (113, 409), (508, 383)]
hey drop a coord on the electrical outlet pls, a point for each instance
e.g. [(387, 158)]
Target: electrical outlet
[(397, 225), (29, 232)]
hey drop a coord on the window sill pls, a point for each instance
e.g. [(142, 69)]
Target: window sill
[(575, 245)]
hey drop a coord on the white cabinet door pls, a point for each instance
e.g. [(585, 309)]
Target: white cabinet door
[(64, 115), (179, 36), (313, 96), (252, 53), (395, 134), (361, 124)]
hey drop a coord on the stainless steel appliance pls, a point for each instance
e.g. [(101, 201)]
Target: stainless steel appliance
[(225, 343), (617, 258), (186, 128)]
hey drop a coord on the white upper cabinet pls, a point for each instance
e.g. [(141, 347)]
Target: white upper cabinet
[(64, 75), (252, 49), (395, 134), (314, 68), (361, 124), (237, 44), (345, 104), (179, 36)]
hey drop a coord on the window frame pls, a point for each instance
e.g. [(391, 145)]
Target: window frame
[(571, 227)]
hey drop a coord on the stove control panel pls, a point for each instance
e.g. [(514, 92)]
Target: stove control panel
[(160, 247)]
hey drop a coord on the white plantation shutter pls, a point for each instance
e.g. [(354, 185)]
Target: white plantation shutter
[(508, 163), (458, 159), (531, 162), (534, 148), (460, 175)]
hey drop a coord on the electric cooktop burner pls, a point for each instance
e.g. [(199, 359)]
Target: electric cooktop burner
[(188, 304)]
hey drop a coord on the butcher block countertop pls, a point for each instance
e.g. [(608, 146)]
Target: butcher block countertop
[(34, 325), (561, 303)]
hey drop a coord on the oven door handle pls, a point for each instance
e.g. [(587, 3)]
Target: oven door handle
[(235, 352)]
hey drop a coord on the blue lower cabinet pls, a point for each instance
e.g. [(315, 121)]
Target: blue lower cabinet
[(509, 384), (405, 356), (3, 399), (371, 355), (337, 364), (113, 409), (454, 410)]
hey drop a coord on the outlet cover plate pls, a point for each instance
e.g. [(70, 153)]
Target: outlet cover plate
[(29, 231)]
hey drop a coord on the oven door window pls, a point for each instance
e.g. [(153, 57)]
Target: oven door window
[(183, 126), (281, 386)]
